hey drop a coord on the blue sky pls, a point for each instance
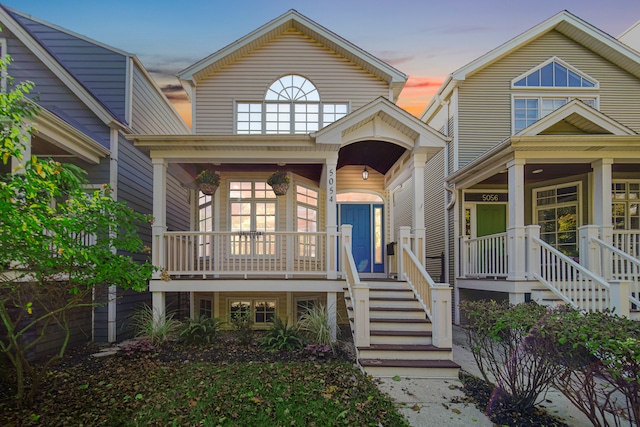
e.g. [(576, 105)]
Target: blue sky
[(423, 38)]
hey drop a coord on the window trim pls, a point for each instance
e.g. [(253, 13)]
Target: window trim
[(596, 83), (627, 201), (541, 95), (252, 309), (579, 201)]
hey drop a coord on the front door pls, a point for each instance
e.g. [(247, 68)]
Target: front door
[(491, 219), (367, 244)]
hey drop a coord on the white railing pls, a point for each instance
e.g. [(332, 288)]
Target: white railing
[(244, 253), (435, 298), (485, 256), (570, 281), (358, 291), (627, 241), (619, 265)]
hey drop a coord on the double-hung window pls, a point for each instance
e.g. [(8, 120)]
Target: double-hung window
[(252, 207), (307, 221), (546, 88)]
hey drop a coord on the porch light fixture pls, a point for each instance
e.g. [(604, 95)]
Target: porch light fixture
[(365, 173), (537, 171)]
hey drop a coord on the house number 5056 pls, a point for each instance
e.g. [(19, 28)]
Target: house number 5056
[(489, 197)]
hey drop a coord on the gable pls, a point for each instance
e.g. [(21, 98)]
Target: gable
[(249, 77), (102, 71), (554, 73)]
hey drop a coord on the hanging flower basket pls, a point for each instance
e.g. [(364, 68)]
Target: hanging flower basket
[(279, 182), (208, 181)]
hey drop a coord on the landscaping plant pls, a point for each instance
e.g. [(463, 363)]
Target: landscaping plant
[(243, 325), (145, 325), (282, 336), (201, 330), (317, 325), (61, 247)]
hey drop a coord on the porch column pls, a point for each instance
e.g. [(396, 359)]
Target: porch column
[(602, 198), (158, 303), (516, 229), (331, 216), (332, 311), (417, 217), (159, 226), (404, 238)]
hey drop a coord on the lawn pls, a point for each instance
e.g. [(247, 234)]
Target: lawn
[(221, 384)]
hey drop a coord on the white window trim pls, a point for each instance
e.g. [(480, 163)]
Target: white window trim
[(582, 74), (534, 202), (622, 181), (252, 306), (547, 94)]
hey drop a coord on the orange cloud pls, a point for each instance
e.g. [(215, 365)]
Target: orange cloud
[(417, 93)]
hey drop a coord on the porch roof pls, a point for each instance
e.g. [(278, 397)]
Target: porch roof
[(595, 136)]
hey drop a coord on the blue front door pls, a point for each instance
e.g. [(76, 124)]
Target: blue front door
[(364, 232)]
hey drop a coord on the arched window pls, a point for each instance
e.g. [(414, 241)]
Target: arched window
[(291, 105)]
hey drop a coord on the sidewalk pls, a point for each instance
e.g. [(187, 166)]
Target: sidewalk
[(427, 402)]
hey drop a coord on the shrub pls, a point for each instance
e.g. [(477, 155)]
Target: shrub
[(243, 325), (317, 325), (282, 336), (509, 350), (144, 325), (200, 330)]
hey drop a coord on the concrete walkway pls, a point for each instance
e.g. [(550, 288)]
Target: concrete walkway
[(428, 402)]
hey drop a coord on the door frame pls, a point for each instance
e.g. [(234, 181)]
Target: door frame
[(471, 206), (372, 206)]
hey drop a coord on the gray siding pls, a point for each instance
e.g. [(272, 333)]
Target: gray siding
[(102, 71), (50, 93), (434, 211), (402, 201), (337, 79), (151, 112), (485, 97)]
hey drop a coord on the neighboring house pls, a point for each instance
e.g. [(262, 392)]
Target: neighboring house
[(91, 96), (631, 37), (293, 96), (542, 172)]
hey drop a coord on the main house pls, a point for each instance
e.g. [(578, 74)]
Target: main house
[(90, 96), (542, 173), (295, 98)]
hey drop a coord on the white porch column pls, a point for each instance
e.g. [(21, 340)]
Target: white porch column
[(619, 298), (441, 311), (516, 229), (158, 303), (159, 226), (601, 201), (329, 175), (588, 250), (404, 238), (417, 215), (332, 310)]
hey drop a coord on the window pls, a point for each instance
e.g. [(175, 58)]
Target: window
[(625, 210), (557, 215), (528, 110), (291, 105), (554, 73), (205, 223), (556, 78), (260, 312), (307, 220), (205, 308), (252, 207), (303, 305)]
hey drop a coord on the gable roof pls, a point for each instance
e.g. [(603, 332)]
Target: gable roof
[(577, 117), (564, 22), (272, 29)]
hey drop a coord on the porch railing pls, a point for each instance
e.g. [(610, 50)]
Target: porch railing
[(244, 253), (435, 298), (358, 291), (568, 280), (485, 256), (617, 265), (627, 241)]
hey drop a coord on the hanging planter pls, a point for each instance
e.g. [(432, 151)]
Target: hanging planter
[(208, 182), (279, 182)]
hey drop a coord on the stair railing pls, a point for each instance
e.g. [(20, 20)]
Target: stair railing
[(435, 298), (358, 291)]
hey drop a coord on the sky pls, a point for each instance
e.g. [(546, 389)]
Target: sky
[(425, 39)]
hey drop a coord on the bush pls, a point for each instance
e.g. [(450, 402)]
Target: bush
[(317, 325), (282, 336), (200, 330), (508, 349), (144, 326), (243, 325)]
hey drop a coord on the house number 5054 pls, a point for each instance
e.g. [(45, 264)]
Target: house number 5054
[(332, 187), (489, 197)]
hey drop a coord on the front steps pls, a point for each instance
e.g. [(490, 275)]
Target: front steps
[(400, 336)]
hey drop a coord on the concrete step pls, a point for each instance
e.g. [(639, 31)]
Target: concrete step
[(446, 369), (408, 352)]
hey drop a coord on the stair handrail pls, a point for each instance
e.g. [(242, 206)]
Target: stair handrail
[(434, 298), (358, 292), (632, 264), (577, 298)]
